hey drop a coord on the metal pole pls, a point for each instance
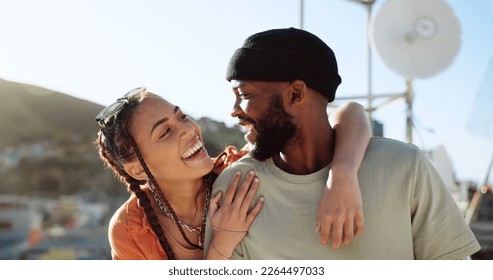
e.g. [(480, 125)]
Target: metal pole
[(370, 106), (409, 102), (475, 201), (301, 13)]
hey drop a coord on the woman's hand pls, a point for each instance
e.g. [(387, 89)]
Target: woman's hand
[(340, 211), (231, 221)]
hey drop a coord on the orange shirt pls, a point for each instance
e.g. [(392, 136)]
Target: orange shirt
[(131, 236)]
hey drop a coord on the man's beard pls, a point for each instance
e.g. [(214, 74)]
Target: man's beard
[(274, 128)]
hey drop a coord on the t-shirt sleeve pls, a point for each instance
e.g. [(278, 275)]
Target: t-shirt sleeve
[(440, 230), (238, 253)]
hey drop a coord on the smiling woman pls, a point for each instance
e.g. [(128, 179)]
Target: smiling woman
[(157, 150)]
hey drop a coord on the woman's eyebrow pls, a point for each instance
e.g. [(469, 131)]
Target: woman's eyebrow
[(163, 120), (159, 122)]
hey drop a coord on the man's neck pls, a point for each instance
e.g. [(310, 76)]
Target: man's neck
[(309, 152)]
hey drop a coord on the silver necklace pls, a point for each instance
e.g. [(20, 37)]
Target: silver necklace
[(169, 215)]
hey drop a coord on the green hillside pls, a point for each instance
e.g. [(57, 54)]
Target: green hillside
[(29, 113)]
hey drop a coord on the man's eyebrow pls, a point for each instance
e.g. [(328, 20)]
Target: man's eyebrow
[(163, 120)]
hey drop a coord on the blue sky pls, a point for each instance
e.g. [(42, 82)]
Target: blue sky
[(99, 49)]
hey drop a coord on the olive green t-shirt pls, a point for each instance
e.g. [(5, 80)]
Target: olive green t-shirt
[(408, 212)]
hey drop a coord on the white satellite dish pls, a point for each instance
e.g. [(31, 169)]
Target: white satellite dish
[(416, 38)]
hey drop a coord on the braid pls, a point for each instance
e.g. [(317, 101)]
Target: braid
[(133, 185), (158, 189), (145, 203), (110, 161)]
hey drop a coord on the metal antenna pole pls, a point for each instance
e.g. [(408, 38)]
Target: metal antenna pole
[(369, 4), (409, 101), (369, 98), (472, 210), (301, 13)]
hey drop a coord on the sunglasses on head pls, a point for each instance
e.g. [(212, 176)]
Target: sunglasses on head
[(112, 111)]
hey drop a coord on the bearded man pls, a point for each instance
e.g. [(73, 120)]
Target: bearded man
[(283, 80)]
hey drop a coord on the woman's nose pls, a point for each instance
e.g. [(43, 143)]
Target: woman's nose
[(187, 130)]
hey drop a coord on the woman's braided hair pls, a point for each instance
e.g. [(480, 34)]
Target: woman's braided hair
[(128, 150)]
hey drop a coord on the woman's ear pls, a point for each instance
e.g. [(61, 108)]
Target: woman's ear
[(135, 169)]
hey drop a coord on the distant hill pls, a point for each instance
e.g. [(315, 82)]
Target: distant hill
[(217, 136), (30, 113)]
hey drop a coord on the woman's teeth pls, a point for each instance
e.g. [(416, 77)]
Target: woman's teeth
[(192, 150)]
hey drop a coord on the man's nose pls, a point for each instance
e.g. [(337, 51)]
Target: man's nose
[(237, 110)]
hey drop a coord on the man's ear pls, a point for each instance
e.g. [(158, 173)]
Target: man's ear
[(135, 169), (298, 91)]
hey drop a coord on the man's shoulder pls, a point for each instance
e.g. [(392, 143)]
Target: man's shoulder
[(245, 164), (392, 146), (384, 153)]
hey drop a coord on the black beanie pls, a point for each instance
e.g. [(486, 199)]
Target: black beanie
[(285, 55)]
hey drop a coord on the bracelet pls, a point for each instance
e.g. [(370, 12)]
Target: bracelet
[(223, 256), (231, 231)]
